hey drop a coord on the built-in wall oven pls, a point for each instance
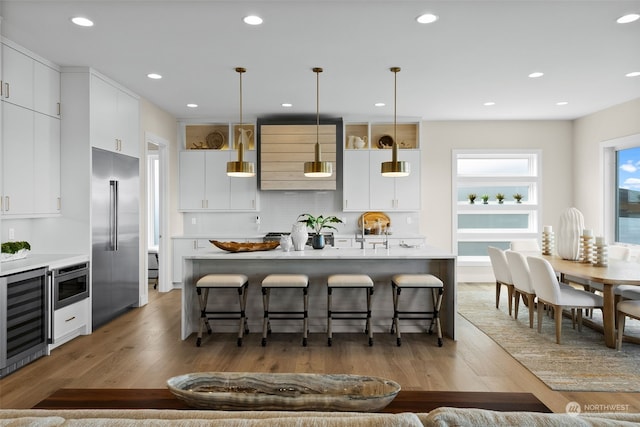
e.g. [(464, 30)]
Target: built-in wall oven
[(70, 284), (24, 318)]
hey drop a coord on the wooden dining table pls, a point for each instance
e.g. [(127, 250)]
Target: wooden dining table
[(616, 273)]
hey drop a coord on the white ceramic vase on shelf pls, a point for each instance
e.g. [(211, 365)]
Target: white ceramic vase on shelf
[(299, 236), (569, 234)]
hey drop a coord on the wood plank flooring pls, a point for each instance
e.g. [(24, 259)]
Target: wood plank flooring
[(142, 349)]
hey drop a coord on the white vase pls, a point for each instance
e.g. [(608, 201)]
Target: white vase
[(569, 234), (299, 236), (286, 243)]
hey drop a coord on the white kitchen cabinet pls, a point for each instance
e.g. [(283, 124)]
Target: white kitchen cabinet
[(243, 191), (31, 162), (395, 194), (114, 118), (192, 181), (205, 186), (18, 154), (46, 86), (355, 180), (364, 187), (46, 162), (29, 83), (17, 75), (70, 322)]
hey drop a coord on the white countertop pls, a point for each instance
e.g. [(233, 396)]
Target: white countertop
[(33, 261), (259, 237), (425, 252)]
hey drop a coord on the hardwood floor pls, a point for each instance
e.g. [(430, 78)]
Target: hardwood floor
[(142, 349)]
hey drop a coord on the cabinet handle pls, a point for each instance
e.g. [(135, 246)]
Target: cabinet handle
[(195, 244), (1, 85), (6, 90), (6, 203), (58, 104), (346, 203), (59, 204), (70, 319), (253, 204)]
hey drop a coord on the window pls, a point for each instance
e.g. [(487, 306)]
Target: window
[(627, 210), (478, 225)]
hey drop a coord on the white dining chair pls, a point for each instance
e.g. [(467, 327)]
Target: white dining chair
[(548, 290), (522, 287), (501, 272), (525, 245), (624, 309)]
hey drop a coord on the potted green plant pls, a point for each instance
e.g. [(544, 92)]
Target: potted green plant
[(518, 197), (485, 199), (500, 198), (472, 198), (317, 224)]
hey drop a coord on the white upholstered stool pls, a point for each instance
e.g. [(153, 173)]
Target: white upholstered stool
[(357, 281), (629, 308), (240, 282), (283, 281), (426, 281)]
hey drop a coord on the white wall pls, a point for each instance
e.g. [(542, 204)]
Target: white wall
[(588, 176), (438, 139)]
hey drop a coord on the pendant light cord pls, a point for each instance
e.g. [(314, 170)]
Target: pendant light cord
[(317, 71)]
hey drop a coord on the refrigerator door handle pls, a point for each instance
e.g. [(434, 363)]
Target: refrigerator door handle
[(113, 215)]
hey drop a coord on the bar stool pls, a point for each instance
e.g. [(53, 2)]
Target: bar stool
[(240, 282), (284, 281), (351, 281), (426, 281)]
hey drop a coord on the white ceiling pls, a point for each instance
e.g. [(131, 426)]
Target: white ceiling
[(477, 51)]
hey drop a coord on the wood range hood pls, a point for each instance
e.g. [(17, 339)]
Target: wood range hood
[(286, 143)]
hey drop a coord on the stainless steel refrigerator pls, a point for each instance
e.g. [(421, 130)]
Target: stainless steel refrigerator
[(115, 235)]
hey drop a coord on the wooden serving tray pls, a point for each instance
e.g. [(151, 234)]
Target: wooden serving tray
[(370, 218), (245, 246)]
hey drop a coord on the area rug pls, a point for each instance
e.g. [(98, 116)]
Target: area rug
[(581, 363)]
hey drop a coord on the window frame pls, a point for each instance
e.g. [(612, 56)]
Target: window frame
[(610, 184), (532, 207)]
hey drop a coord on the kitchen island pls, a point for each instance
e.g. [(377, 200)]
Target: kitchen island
[(380, 264)]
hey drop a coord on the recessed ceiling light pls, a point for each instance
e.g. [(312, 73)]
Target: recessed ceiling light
[(154, 76), (192, 105), (562, 103), (631, 17), (287, 105), (252, 20), (82, 21), (536, 74), (489, 104), (633, 74), (379, 104), (427, 18)]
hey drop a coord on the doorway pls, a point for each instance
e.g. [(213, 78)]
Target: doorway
[(157, 224)]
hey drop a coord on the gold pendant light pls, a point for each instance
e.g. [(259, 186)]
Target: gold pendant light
[(395, 168), (318, 168), (240, 168)]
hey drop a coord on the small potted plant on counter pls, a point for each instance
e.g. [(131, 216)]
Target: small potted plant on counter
[(485, 199), (518, 197), (472, 198), (500, 198), (317, 224)]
